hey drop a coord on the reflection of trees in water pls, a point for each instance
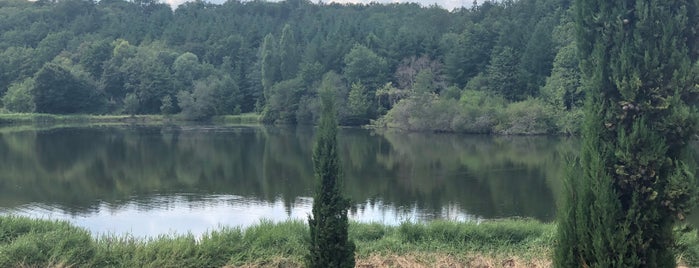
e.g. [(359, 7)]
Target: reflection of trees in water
[(486, 176), (77, 168)]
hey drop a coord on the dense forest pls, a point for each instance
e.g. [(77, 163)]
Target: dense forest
[(496, 67)]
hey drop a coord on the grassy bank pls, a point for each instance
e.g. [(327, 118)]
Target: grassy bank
[(32, 118), (28, 242), (247, 118), (79, 118), (42, 243)]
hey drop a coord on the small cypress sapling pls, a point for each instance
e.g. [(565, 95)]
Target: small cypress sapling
[(329, 245)]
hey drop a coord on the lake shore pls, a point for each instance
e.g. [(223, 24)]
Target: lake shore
[(26, 242), (34, 118), (245, 118)]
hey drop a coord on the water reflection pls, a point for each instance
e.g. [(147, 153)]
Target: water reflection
[(155, 180)]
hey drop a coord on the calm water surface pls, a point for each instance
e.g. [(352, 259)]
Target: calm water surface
[(150, 180)]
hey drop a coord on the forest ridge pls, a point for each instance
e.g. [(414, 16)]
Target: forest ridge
[(498, 67)]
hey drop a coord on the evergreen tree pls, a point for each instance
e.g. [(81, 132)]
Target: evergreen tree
[(288, 54), (269, 67), (636, 182), (329, 245), (501, 74)]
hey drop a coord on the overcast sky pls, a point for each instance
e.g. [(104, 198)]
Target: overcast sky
[(446, 4)]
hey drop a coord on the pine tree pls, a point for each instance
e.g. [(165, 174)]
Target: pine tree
[(329, 245), (635, 181)]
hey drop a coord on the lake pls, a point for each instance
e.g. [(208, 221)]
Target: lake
[(153, 180)]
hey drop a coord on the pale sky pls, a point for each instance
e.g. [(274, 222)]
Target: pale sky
[(446, 4)]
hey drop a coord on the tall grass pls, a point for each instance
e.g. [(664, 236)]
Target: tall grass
[(28, 242), (246, 118), (34, 243)]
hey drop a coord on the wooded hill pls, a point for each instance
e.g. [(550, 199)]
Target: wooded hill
[(505, 67)]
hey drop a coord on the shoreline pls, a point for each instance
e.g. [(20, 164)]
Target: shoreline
[(49, 243), (28, 242), (15, 119), (34, 118)]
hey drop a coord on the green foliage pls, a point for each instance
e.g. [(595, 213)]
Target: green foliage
[(44, 243), (187, 70), (536, 59), (146, 72), (168, 107), (686, 244), (364, 66), (269, 64), (153, 51), (468, 54), (18, 97), (527, 117), (93, 56), (329, 244), (131, 104), (199, 104), (60, 90), (424, 84), (359, 105), (283, 101), (475, 112), (288, 54), (501, 74), (635, 181), (562, 88), (452, 92), (29, 242)]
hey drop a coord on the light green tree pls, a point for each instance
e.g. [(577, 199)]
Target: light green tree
[(18, 97), (358, 104), (131, 104)]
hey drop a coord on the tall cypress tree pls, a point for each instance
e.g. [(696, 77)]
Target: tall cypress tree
[(269, 65), (329, 245), (635, 181)]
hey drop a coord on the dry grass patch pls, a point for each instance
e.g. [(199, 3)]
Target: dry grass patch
[(448, 261)]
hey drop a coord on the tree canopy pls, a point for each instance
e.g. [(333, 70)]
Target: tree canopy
[(270, 57)]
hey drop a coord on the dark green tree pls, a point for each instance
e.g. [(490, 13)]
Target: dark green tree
[(60, 90), (636, 181), (329, 245), (501, 74), (94, 55)]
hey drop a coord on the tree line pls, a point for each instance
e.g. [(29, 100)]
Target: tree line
[(477, 69)]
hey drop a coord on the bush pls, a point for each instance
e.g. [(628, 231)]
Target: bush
[(476, 112), (528, 117)]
